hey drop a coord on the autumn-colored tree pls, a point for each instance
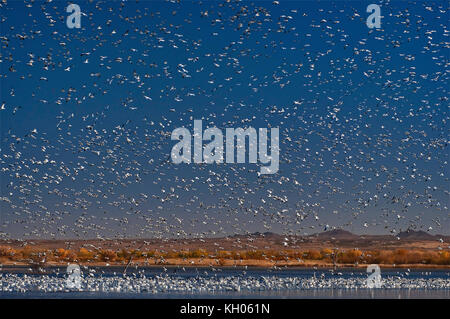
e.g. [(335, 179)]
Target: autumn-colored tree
[(6, 251), (26, 253), (350, 256), (61, 253), (312, 255), (107, 255), (85, 255)]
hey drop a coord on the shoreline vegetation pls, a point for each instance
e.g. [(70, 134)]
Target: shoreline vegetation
[(331, 249), (324, 258)]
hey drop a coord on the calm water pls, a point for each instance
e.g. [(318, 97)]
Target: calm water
[(174, 282)]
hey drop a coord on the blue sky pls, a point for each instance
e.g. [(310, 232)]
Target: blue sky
[(87, 115)]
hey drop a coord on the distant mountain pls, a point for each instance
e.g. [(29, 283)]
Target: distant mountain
[(415, 235), (336, 234)]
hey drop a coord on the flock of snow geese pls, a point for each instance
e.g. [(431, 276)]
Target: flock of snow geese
[(218, 284), (86, 116)]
